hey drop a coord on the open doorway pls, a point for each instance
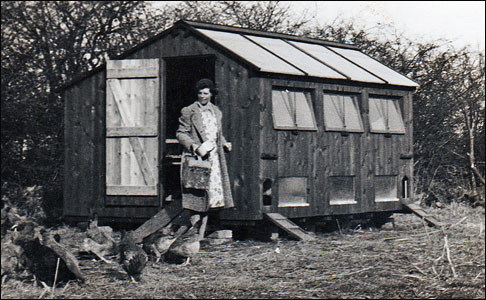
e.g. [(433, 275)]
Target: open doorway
[(182, 74)]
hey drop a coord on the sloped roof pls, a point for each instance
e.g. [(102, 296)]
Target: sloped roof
[(286, 54)]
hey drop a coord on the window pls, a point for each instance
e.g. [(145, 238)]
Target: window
[(292, 110), (292, 191), (341, 113), (341, 190), (385, 116), (386, 188)]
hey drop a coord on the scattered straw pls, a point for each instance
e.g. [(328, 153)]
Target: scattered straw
[(407, 261)]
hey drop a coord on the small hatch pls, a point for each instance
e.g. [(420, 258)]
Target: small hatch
[(292, 191)]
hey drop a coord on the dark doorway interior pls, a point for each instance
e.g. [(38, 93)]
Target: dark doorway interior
[(182, 74)]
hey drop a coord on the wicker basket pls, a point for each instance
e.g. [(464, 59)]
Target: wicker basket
[(195, 173)]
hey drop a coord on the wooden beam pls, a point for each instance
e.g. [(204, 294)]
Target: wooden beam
[(288, 226), (417, 210), (159, 220)]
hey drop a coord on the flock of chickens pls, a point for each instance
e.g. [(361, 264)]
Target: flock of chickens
[(28, 245), (173, 246)]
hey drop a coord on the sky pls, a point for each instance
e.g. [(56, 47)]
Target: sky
[(461, 22)]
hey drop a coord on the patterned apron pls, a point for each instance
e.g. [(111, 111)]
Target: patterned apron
[(215, 191)]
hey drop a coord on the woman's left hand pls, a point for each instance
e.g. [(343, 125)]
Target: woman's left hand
[(227, 146)]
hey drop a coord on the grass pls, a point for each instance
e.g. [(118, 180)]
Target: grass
[(404, 260)]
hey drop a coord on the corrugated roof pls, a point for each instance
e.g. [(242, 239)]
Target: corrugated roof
[(279, 53)]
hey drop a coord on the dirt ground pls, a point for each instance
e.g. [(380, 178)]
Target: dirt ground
[(406, 259)]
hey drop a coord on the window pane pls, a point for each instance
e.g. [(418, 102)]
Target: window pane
[(386, 188), (351, 113), (281, 110), (377, 118), (292, 191), (332, 112), (385, 116), (292, 110), (341, 113), (304, 115), (341, 190), (395, 121)]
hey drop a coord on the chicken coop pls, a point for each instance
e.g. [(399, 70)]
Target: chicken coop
[(319, 129)]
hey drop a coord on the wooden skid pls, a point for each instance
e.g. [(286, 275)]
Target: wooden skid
[(288, 226), (417, 210), (159, 220)]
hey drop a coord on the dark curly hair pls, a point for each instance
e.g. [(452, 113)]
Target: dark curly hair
[(206, 83)]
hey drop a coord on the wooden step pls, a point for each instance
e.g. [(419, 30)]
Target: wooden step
[(288, 226), (417, 210)]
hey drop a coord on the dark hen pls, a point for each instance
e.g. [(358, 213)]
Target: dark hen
[(132, 257)]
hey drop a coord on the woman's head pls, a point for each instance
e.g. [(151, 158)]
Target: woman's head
[(205, 90)]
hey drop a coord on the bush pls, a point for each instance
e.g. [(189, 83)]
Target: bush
[(25, 201)]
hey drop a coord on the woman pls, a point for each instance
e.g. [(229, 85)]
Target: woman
[(200, 133)]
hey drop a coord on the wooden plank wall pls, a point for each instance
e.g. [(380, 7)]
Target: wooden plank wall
[(85, 165), (239, 105), (247, 122), (84, 172), (321, 154)]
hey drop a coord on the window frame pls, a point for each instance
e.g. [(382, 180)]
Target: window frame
[(355, 101), (396, 101), (310, 103)]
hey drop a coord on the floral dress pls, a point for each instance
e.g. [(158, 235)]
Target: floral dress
[(215, 190)]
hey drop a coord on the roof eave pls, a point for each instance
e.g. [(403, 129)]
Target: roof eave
[(265, 34)]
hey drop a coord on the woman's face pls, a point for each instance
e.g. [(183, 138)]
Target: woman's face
[(204, 96)]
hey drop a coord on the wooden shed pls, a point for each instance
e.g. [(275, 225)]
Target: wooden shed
[(318, 128)]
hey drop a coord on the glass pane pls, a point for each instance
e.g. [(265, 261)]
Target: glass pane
[(375, 67), (386, 188), (377, 118), (385, 116), (395, 122), (296, 57), (341, 113), (351, 113), (337, 62), (304, 114), (281, 110), (292, 110), (292, 191), (251, 52), (341, 189), (332, 116)]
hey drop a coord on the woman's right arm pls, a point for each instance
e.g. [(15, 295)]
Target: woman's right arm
[(183, 133)]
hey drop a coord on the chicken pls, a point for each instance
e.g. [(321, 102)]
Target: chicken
[(100, 250), (159, 243), (99, 234), (185, 246), (99, 239), (132, 257)]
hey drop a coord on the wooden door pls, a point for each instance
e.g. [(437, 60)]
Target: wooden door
[(133, 93)]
